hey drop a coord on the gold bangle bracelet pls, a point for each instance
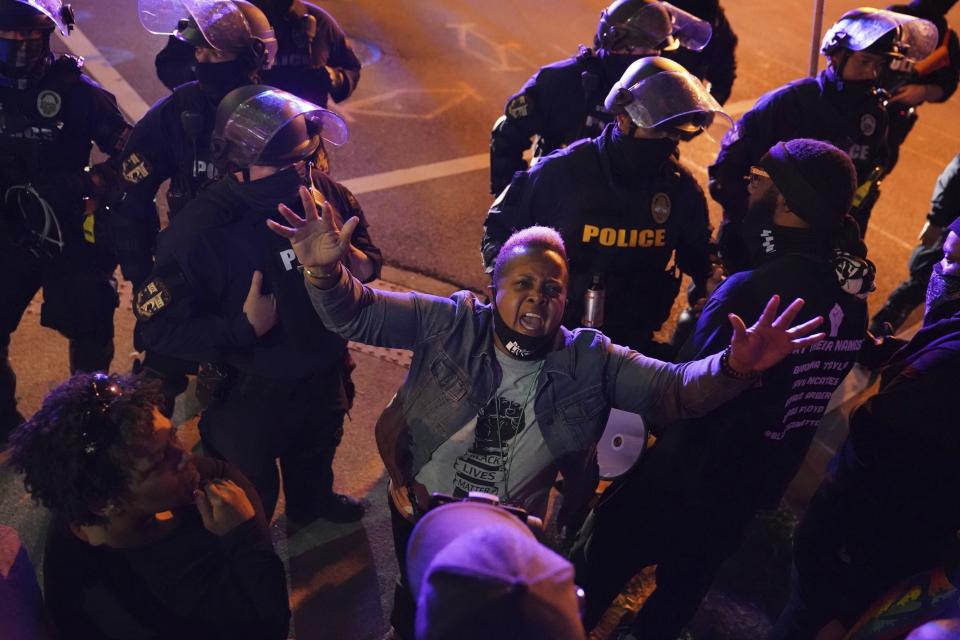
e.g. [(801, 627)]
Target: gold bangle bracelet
[(322, 275)]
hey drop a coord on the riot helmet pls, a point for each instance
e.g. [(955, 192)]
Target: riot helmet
[(659, 94), (899, 38), (260, 125), (25, 58), (231, 26), (650, 25)]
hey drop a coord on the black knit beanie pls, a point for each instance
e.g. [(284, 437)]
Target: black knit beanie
[(817, 180)]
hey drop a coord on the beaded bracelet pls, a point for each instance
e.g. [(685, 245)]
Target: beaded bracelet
[(730, 371)]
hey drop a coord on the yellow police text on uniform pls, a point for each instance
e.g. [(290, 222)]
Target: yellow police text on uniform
[(612, 237)]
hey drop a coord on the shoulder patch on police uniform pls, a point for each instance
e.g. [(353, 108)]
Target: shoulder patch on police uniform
[(49, 103), (518, 107), (135, 168), (152, 298), (868, 124), (660, 207)]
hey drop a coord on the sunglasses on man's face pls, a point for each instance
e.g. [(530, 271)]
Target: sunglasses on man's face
[(105, 392), (755, 176)]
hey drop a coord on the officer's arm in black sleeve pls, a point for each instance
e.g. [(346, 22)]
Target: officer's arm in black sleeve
[(511, 135), (109, 129), (722, 66), (945, 203), (332, 52), (693, 249), (511, 211), (176, 63), (144, 166), (176, 306)]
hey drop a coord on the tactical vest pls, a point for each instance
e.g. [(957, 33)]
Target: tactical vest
[(626, 236), (195, 167)]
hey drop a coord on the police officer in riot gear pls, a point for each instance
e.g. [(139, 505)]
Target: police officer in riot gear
[(623, 204), (842, 105), (172, 141), (227, 289), (716, 63), (52, 208), (563, 101), (314, 59), (232, 42)]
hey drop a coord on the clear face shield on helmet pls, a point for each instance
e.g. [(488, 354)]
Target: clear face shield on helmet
[(255, 121), (671, 100), (216, 24), (904, 39), (657, 25), (60, 13), (689, 31)]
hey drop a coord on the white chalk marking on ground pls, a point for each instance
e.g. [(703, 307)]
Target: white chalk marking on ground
[(419, 173), (129, 100), (889, 236)]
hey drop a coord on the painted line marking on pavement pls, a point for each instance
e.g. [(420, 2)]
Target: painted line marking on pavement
[(129, 100), (889, 236), (420, 173)]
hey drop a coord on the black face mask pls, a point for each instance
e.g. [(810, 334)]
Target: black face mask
[(23, 61), (850, 95), (267, 193), (520, 345), (217, 79), (943, 296), (631, 156)]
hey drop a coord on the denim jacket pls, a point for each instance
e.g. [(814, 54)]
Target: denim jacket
[(454, 372)]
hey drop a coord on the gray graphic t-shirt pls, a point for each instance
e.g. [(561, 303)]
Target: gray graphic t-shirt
[(501, 451)]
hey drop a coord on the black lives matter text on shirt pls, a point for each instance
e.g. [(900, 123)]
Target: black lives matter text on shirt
[(814, 381), (483, 467)]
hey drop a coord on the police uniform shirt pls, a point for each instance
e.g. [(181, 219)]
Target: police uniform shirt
[(192, 306), (626, 234), (807, 108), (560, 103), (172, 141), (47, 133), (301, 63)]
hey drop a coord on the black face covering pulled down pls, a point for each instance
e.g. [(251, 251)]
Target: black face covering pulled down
[(519, 345), (943, 296), (217, 79), (630, 157)]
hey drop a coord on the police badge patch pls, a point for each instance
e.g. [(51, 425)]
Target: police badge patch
[(518, 107), (152, 298), (868, 124), (135, 168), (49, 103), (660, 207)]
